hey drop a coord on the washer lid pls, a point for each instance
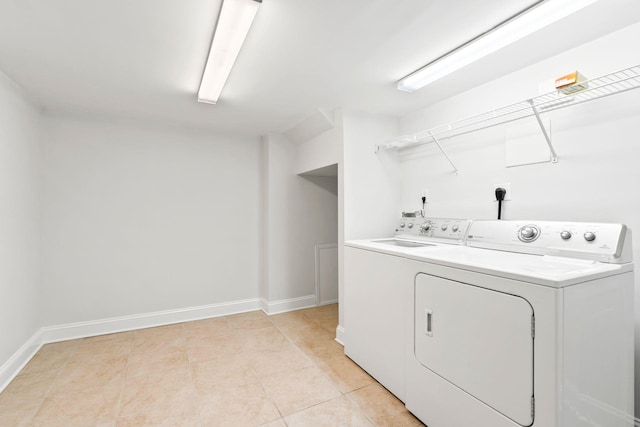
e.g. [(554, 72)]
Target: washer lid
[(391, 246), (540, 269)]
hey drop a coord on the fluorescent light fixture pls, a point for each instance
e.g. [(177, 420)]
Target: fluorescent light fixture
[(236, 17), (525, 23)]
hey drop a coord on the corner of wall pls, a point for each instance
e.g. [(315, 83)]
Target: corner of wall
[(20, 226), (263, 282)]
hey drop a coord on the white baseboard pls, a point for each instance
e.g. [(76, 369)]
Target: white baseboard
[(145, 320), (70, 331), (340, 335), (18, 360), (50, 334), (284, 305)]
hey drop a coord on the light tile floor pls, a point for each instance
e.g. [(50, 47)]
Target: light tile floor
[(243, 370)]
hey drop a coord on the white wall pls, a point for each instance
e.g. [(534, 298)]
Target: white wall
[(596, 178), (371, 198), (20, 195), (371, 182), (319, 152), (302, 211), (322, 150), (144, 218)]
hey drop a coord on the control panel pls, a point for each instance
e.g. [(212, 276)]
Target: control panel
[(598, 241), (445, 229)]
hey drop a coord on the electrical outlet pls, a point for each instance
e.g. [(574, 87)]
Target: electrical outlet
[(506, 186)]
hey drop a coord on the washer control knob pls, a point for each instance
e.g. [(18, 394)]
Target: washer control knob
[(410, 225), (566, 235), (589, 236), (455, 228), (425, 226), (528, 233), (402, 225), (444, 227)]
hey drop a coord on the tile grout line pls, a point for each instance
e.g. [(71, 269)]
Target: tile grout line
[(341, 393), (364, 414), (262, 384), (60, 369), (315, 365), (191, 363), (266, 392), (124, 381), (193, 379)]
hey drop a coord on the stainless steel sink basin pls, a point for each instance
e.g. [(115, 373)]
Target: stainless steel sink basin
[(404, 243)]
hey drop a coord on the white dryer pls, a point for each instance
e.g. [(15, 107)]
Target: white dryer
[(530, 324)]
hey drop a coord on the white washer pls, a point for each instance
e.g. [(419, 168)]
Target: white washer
[(377, 294), (415, 231), (529, 324)]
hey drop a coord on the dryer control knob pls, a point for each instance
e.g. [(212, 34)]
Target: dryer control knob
[(425, 226), (410, 225), (402, 225), (566, 235), (528, 233), (455, 228), (443, 228), (589, 236)]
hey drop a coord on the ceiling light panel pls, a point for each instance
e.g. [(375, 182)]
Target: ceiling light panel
[(510, 31), (234, 22)]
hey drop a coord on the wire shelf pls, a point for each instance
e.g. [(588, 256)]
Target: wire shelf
[(611, 84)]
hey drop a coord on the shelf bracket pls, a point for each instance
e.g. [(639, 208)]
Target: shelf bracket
[(554, 155), (443, 152)]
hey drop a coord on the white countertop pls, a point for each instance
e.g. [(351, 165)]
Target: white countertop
[(544, 270)]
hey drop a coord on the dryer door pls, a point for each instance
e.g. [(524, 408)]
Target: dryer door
[(479, 340)]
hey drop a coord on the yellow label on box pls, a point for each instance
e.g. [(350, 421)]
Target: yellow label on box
[(567, 80), (571, 83)]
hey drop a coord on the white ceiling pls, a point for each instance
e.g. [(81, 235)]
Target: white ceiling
[(143, 59)]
